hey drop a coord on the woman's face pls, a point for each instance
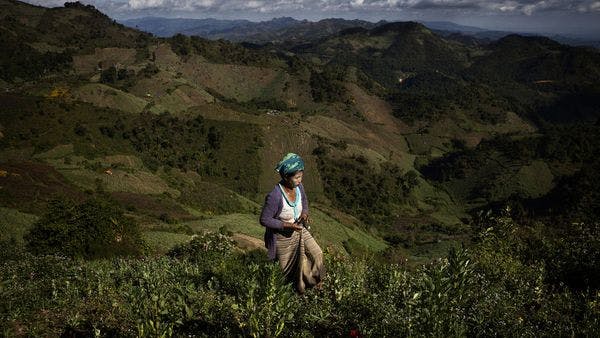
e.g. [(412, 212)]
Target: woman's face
[(294, 180)]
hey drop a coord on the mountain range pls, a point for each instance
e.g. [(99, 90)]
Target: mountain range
[(406, 133), (287, 29)]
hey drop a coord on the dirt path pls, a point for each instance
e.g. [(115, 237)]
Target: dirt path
[(248, 243)]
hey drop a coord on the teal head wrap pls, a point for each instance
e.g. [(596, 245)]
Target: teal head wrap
[(289, 164)]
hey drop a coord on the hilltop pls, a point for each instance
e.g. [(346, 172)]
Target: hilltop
[(276, 30), (285, 30)]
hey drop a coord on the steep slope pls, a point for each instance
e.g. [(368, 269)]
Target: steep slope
[(37, 40), (185, 131), (544, 80), (104, 120), (391, 52)]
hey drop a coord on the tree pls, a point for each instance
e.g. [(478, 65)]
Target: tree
[(93, 229)]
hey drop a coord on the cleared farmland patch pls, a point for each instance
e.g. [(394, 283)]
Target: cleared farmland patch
[(28, 186), (103, 58), (101, 95)]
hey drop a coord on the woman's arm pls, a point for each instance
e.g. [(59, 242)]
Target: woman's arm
[(270, 211), (304, 214), (268, 216)]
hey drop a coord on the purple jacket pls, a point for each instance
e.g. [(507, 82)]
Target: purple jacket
[(269, 217)]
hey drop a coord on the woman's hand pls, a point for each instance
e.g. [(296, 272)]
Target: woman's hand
[(304, 219), (293, 226)]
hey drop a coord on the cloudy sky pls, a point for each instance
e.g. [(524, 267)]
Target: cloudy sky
[(575, 17)]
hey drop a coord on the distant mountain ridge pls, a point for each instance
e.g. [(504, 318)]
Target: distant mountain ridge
[(167, 27), (287, 29), (275, 30)]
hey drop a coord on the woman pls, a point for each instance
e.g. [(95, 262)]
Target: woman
[(285, 215)]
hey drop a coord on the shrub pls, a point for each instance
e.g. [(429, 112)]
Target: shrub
[(326, 88), (149, 70), (80, 130), (204, 248), (517, 273), (267, 304), (209, 289), (95, 228)]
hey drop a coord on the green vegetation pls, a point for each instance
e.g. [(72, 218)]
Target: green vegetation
[(541, 79), (95, 228), (13, 226), (19, 60), (222, 51), (210, 148), (428, 96), (326, 87), (221, 201), (173, 174), (44, 123), (254, 106), (560, 147), (205, 287), (160, 242), (355, 187), (124, 77), (409, 48), (339, 234), (232, 222)]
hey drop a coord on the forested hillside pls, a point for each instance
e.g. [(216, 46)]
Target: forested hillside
[(451, 184)]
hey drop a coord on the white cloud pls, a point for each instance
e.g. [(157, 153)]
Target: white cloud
[(254, 4), (172, 4), (595, 6), (46, 3), (528, 9), (143, 4)]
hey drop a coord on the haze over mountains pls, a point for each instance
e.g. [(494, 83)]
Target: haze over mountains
[(289, 29)]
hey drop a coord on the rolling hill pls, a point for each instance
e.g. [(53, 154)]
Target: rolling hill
[(277, 30), (185, 131)]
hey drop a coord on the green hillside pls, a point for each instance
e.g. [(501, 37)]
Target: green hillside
[(452, 186), (194, 126), (103, 124)]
